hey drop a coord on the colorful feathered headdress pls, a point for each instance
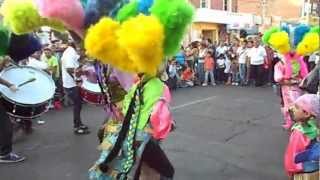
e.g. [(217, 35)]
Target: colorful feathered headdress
[(301, 40), (134, 36)]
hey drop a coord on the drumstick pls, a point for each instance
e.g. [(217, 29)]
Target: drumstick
[(26, 82)]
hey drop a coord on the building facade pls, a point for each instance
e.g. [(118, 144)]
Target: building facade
[(214, 19), (276, 12)]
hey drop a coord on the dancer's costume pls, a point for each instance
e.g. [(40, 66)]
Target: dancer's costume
[(302, 153), (293, 44)]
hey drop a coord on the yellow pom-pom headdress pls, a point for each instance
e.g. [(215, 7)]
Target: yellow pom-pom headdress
[(134, 36), (304, 39)]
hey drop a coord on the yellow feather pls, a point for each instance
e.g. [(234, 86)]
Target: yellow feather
[(22, 17), (309, 44), (280, 42), (134, 46)]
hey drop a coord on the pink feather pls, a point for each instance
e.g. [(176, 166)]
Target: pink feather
[(70, 12)]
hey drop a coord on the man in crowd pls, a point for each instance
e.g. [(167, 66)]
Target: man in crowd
[(6, 129), (257, 55)]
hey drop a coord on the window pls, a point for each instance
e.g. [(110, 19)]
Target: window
[(204, 3), (225, 5)]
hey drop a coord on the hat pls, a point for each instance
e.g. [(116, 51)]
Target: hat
[(310, 103), (23, 46)]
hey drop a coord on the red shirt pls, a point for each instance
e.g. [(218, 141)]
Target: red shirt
[(187, 74), (208, 63)]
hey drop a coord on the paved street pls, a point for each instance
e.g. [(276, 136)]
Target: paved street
[(224, 133)]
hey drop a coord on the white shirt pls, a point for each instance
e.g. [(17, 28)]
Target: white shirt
[(242, 54), (221, 50), (257, 55), (32, 62), (69, 59)]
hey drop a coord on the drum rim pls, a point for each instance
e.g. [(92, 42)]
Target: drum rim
[(98, 93), (21, 104), (29, 117), (21, 67)]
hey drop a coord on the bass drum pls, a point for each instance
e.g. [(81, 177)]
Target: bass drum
[(35, 89)]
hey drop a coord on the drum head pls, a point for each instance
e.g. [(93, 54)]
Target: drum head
[(92, 87), (36, 92)]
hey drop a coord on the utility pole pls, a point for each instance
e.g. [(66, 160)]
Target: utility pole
[(264, 6)]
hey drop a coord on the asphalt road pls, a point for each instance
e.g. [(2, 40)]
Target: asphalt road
[(224, 133)]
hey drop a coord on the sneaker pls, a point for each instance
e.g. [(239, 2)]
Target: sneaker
[(204, 84), (41, 122), (82, 126), (80, 131), (11, 158), (214, 84)]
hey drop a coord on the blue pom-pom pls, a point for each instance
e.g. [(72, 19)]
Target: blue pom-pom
[(144, 6), (285, 28), (95, 9), (299, 33), (23, 46)]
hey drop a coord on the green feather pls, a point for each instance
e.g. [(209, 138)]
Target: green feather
[(175, 15), (315, 29), (4, 39), (266, 36), (127, 11)]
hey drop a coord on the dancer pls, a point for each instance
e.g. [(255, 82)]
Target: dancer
[(293, 45), (305, 112), (134, 135), (6, 129), (289, 72)]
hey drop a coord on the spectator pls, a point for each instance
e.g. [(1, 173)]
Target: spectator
[(187, 77), (173, 75), (257, 56), (209, 69), (221, 49), (227, 70), (221, 65), (312, 61), (200, 68), (242, 58), (249, 47), (268, 78), (180, 57)]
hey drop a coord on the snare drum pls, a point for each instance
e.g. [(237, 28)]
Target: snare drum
[(32, 99), (90, 89)]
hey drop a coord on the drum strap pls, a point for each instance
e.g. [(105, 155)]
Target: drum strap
[(97, 68)]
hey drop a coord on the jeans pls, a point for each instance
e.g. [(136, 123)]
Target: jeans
[(235, 77), (243, 73), (6, 133), (211, 74), (200, 69), (74, 94), (256, 74), (156, 159)]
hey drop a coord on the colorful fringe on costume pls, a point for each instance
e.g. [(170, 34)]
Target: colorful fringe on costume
[(22, 17)]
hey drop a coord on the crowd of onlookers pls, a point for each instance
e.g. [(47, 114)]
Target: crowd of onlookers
[(241, 63)]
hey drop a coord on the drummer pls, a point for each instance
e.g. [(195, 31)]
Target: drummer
[(6, 130), (71, 83)]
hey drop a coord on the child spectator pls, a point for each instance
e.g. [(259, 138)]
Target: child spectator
[(221, 65), (235, 72), (187, 77), (305, 112), (209, 69), (173, 75)]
